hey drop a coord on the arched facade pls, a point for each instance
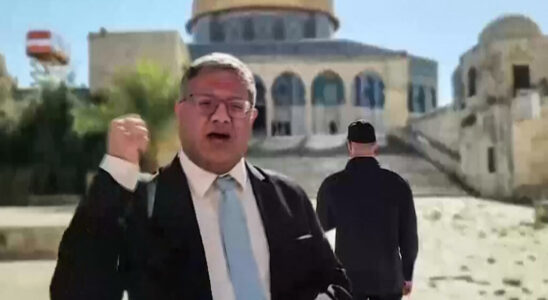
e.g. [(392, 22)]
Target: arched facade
[(288, 95), (320, 98), (327, 103)]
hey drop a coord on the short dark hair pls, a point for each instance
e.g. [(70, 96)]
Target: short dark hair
[(219, 61)]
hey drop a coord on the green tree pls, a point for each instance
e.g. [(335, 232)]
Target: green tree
[(149, 91), (45, 142)]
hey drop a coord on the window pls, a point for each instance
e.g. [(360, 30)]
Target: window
[(491, 160), (522, 79), (279, 30), (249, 29), (216, 31), (369, 91), (472, 77), (310, 27)]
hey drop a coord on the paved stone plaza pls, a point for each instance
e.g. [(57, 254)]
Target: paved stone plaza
[(469, 249)]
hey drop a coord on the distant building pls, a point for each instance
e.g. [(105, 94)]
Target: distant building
[(308, 82), (495, 138), (511, 55), (111, 52)]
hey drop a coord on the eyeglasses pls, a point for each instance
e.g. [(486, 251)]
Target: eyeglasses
[(207, 105)]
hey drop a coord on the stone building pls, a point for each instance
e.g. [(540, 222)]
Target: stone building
[(495, 136), (111, 52), (510, 56), (308, 81)]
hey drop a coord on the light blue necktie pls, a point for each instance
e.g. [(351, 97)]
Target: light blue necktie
[(241, 263)]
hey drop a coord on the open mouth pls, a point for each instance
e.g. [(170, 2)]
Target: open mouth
[(216, 136)]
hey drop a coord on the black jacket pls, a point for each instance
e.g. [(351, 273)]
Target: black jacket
[(111, 245), (373, 211)]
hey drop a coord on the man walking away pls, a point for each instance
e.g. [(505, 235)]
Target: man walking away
[(372, 209)]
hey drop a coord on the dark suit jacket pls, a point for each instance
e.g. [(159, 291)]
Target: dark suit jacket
[(373, 211), (111, 244)]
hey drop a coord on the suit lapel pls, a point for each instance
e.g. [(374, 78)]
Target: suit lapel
[(175, 217), (275, 216)]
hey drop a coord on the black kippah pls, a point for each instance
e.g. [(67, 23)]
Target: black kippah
[(361, 132)]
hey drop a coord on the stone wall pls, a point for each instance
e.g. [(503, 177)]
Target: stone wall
[(485, 151), (530, 151), (436, 136), (110, 52), (488, 150), (442, 126)]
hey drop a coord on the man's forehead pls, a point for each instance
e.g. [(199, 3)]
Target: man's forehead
[(219, 70), (218, 76)]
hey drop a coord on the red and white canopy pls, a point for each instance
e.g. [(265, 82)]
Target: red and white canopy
[(46, 47)]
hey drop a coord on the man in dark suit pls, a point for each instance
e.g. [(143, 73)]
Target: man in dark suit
[(373, 211), (207, 226)]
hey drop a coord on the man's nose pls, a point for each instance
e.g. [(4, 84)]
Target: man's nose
[(221, 113)]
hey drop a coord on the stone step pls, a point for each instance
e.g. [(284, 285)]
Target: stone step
[(32, 232)]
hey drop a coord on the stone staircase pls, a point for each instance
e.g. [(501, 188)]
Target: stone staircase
[(309, 171)]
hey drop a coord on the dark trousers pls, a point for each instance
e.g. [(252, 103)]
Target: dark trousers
[(377, 297)]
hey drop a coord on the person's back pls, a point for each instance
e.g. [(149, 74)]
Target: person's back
[(373, 212)]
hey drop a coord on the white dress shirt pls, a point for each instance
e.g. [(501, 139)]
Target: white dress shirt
[(206, 197)]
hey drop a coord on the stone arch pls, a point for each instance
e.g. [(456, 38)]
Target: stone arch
[(327, 103), (368, 98), (416, 99), (369, 90), (288, 96)]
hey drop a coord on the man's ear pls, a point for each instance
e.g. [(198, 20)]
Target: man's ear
[(376, 149), (254, 114), (349, 147)]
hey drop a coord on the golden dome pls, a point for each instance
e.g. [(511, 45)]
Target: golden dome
[(205, 7)]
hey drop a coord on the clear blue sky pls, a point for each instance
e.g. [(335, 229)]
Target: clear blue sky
[(441, 30)]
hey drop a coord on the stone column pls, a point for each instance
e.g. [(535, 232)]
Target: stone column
[(269, 102), (308, 105), (349, 113)]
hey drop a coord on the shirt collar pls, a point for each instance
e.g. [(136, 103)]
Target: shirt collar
[(201, 180), (362, 162)]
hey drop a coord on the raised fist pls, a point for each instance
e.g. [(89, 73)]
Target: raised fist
[(128, 138)]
